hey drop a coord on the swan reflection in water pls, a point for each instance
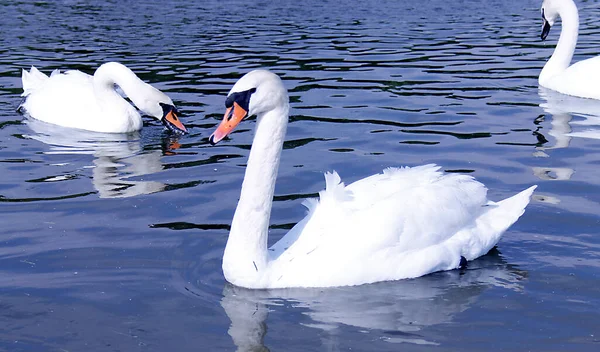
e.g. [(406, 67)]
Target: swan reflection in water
[(119, 159), (400, 309), (563, 108)]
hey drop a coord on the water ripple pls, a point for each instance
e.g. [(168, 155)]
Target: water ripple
[(143, 218)]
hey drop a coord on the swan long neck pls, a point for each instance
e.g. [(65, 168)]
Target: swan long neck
[(109, 74), (144, 96), (563, 53), (246, 258)]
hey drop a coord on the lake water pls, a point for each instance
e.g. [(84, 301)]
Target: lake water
[(114, 242)]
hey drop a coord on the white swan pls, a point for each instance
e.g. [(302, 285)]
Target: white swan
[(402, 223), (77, 100), (581, 79)]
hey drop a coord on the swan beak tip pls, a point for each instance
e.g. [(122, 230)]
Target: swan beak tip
[(233, 116), (216, 137)]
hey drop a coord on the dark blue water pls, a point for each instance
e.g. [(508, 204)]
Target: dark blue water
[(114, 243)]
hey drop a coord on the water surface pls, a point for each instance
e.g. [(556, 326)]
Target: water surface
[(114, 242)]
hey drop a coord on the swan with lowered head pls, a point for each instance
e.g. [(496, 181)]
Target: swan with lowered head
[(402, 223), (581, 79), (77, 100)]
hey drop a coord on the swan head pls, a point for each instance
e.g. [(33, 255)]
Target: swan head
[(158, 105), (553, 9), (256, 93)]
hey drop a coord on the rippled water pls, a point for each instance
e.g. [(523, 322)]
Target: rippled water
[(114, 242)]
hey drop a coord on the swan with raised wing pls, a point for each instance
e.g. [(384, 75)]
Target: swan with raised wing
[(77, 100), (402, 223), (581, 79)]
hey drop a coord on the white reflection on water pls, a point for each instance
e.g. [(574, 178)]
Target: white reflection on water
[(118, 162), (563, 108), (400, 308)]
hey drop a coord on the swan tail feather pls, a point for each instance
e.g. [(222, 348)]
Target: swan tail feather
[(32, 80), (493, 222)]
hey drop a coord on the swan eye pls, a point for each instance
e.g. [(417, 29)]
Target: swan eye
[(241, 98), (229, 101)]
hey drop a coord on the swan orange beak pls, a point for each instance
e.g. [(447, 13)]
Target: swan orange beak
[(233, 116), (173, 123), (170, 119)]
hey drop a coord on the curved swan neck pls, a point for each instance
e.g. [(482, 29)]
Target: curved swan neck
[(563, 53), (111, 73), (245, 258), (143, 95)]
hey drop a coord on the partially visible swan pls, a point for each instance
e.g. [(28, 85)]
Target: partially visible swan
[(581, 79), (77, 100), (402, 223)]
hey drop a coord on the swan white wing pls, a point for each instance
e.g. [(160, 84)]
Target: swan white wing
[(407, 200), (62, 99), (330, 204), (472, 240), (379, 223)]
